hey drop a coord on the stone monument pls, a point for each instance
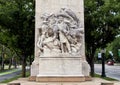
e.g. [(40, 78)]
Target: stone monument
[(59, 42)]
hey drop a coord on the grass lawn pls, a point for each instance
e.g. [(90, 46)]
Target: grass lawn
[(106, 78), (8, 71), (15, 78)]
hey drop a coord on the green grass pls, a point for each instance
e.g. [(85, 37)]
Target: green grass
[(106, 78), (8, 71), (15, 78), (11, 79)]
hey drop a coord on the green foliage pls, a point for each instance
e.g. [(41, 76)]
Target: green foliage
[(17, 24), (114, 46), (17, 27), (106, 78), (102, 22)]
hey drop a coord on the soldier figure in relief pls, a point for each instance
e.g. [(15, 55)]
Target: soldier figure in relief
[(60, 33)]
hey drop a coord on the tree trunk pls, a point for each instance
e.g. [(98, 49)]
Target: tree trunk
[(10, 64), (92, 67), (30, 58), (23, 66), (15, 63), (90, 59), (2, 66)]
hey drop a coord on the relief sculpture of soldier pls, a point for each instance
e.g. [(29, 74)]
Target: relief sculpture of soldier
[(60, 33)]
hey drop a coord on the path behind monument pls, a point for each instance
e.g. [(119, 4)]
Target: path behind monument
[(95, 81)]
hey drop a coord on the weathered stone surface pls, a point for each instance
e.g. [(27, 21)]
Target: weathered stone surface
[(60, 79), (59, 41), (107, 83), (48, 11), (60, 67), (14, 84)]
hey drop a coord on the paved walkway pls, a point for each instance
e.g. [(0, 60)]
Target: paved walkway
[(95, 81), (9, 74)]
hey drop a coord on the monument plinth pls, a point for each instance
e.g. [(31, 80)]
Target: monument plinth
[(59, 42)]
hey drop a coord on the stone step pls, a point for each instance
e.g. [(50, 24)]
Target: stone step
[(14, 84), (107, 83)]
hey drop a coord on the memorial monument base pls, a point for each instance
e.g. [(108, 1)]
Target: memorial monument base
[(60, 79), (61, 69)]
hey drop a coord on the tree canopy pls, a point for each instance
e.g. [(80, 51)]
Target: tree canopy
[(115, 47), (17, 26), (102, 22)]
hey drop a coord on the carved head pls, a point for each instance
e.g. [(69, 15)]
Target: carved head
[(50, 32)]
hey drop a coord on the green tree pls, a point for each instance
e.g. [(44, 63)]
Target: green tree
[(17, 19), (114, 47), (102, 20)]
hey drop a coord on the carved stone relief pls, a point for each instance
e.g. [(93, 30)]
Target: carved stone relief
[(60, 33)]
